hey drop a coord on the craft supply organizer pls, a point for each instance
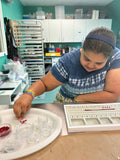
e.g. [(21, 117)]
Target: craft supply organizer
[(92, 117)]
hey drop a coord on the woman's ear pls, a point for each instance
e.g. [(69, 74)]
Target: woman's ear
[(81, 50)]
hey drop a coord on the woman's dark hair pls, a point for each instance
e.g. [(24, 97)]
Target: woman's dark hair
[(99, 46)]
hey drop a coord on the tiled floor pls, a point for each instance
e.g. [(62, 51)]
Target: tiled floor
[(47, 97)]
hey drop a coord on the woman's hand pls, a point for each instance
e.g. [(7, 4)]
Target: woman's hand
[(22, 105), (75, 100)]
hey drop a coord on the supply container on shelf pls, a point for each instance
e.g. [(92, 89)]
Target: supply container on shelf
[(40, 14), (48, 16), (78, 13), (26, 17), (32, 15), (59, 12), (69, 16)]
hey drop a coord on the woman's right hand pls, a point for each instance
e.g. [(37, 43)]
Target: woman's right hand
[(22, 105)]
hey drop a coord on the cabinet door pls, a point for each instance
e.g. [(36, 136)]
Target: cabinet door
[(54, 30), (79, 30), (91, 24), (45, 32), (105, 23), (67, 30)]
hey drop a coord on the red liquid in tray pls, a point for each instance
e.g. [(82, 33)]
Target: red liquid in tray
[(4, 131), (23, 121)]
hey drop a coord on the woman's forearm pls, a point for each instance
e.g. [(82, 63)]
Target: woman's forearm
[(98, 97), (46, 83), (38, 87)]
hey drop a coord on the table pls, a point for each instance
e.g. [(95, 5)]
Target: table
[(77, 146)]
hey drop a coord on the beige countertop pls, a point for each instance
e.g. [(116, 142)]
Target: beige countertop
[(78, 146)]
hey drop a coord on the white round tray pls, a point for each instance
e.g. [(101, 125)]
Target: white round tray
[(7, 116)]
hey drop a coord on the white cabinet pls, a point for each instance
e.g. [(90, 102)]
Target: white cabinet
[(92, 24), (105, 23), (54, 30), (67, 30), (45, 33), (72, 30), (51, 31), (79, 30)]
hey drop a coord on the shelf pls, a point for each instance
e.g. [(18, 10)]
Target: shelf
[(48, 62), (29, 41), (51, 56), (34, 46)]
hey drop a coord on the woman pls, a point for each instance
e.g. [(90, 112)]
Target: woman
[(88, 74)]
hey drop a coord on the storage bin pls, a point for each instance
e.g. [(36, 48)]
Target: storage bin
[(52, 54), (78, 13), (25, 16)]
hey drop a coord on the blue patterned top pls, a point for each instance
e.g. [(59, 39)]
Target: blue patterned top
[(76, 80)]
